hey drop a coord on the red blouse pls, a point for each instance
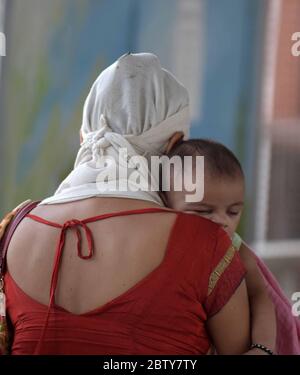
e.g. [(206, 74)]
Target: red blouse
[(164, 313)]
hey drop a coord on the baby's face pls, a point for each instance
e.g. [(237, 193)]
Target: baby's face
[(222, 203)]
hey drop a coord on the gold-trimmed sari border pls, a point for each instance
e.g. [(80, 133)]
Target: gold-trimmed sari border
[(220, 268)]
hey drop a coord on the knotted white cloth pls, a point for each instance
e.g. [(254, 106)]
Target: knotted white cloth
[(134, 105)]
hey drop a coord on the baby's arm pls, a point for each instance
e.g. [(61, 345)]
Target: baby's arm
[(227, 302), (229, 329), (263, 318)]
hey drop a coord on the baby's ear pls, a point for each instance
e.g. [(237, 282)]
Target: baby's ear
[(176, 137)]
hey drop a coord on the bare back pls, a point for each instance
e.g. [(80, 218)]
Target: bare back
[(127, 249)]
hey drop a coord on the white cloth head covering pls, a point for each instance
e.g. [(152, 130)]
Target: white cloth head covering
[(133, 104)]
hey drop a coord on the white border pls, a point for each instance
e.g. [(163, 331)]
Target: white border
[(2, 13), (266, 113), (278, 249)]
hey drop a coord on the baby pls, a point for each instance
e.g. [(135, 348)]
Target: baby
[(223, 201), (224, 185)]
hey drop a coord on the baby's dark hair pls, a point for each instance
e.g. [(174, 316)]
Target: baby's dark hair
[(219, 160)]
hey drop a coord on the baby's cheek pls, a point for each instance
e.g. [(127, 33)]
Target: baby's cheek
[(234, 224)]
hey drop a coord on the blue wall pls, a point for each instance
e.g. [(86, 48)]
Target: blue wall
[(56, 49), (229, 73)]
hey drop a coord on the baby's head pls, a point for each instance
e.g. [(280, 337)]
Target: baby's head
[(224, 184)]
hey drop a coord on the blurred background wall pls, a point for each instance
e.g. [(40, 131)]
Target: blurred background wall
[(234, 56)]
